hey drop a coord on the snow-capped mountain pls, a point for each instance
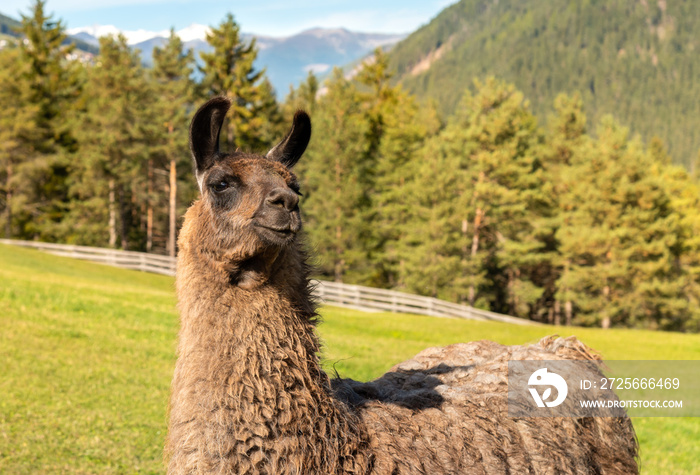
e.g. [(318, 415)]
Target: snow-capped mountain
[(133, 37), (287, 59), (192, 33)]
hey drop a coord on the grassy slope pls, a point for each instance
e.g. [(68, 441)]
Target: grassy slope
[(87, 353)]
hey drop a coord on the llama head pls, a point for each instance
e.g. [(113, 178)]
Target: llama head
[(249, 202)]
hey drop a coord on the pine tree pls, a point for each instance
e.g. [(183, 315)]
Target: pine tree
[(678, 305), (563, 151), (620, 236), (397, 128), (480, 222), (51, 85), (17, 133), (174, 91), (303, 97), (335, 185), (229, 70), (368, 127), (433, 244), (269, 121), (500, 199), (115, 145)]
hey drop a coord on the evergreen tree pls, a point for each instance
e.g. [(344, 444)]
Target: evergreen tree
[(680, 305), (433, 242), (477, 228), (51, 85), (270, 122), (335, 183), (397, 129), (229, 70), (174, 92), (115, 135), (17, 134), (303, 97), (619, 236), (565, 142), (373, 128)]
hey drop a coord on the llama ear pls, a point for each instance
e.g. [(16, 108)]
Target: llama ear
[(291, 148), (204, 132)]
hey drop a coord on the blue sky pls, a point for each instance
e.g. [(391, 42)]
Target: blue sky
[(266, 17)]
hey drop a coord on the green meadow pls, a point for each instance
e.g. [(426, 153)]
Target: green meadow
[(87, 353)]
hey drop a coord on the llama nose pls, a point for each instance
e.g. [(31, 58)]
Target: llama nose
[(283, 197)]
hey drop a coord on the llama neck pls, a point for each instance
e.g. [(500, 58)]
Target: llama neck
[(249, 377)]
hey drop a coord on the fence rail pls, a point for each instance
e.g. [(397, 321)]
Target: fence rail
[(355, 296), (127, 259)]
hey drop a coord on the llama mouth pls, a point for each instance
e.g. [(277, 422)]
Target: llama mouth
[(277, 232)]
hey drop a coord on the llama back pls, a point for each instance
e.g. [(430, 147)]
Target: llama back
[(446, 411)]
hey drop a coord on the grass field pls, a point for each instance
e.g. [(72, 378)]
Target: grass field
[(87, 354)]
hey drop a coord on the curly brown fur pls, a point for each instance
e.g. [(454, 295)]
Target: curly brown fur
[(445, 411), (249, 394)]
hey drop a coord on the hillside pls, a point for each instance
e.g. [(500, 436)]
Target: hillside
[(635, 59), (88, 352)]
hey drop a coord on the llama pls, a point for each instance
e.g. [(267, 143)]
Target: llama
[(249, 394)]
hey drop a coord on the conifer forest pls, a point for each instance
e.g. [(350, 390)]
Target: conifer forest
[(552, 218)]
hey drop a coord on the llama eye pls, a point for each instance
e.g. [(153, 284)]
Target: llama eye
[(220, 186)]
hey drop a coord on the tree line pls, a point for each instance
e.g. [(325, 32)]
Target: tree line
[(95, 152), (566, 222)]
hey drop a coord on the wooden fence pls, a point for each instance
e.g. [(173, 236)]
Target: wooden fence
[(127, 259), (334, 293)]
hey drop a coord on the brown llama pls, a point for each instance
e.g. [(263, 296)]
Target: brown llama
[(249, 394)]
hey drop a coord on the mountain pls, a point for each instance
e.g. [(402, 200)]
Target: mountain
[(92, 33), (634, 59), (9, 25), (287, 60)]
